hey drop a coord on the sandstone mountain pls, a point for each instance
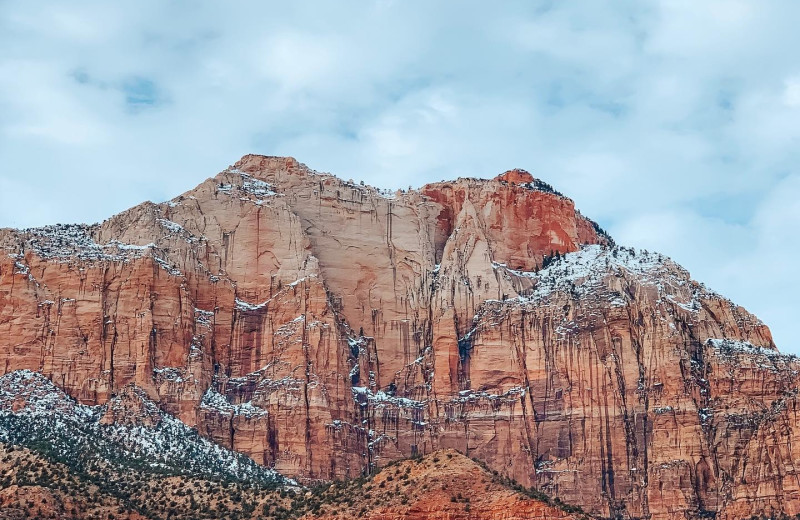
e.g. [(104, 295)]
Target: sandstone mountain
[(326, 328), (129, 460), (443, 485)]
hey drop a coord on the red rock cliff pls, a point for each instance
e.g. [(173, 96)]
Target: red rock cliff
[(322, 326)]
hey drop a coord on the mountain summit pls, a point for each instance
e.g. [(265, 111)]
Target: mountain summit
[(326, 328)]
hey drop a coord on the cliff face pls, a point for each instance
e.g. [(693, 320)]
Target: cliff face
[(321, 327)]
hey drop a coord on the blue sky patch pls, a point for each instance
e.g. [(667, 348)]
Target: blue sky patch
[(141, 94)]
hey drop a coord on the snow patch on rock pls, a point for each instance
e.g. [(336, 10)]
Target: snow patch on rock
[(213, 400), (35, 412)]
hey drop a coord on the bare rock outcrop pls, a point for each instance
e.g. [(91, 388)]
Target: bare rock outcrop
[(324, 327)]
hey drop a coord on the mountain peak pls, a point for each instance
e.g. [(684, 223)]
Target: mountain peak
[(516, 176), (324, 327), (251, 163)]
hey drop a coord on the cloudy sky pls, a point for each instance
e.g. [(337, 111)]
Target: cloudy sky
[(675, 124)]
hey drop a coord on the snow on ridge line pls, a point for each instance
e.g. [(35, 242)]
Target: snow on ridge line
[(595, 259), (256, 187), (170, 445), (249, 186), (732, 347), (583, 272), (32, 393), (25, 382), (67, 241)]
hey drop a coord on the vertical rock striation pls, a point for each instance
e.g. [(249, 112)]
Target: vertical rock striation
[(324, 327)]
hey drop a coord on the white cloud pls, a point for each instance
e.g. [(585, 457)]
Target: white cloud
[(791, 92), (675, 124)]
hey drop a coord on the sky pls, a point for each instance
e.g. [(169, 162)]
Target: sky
[(674, 124)]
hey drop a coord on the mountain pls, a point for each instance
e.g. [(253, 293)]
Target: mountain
[(127, 459), (129, 432), (326, 328), (124, 459), (444, 485)]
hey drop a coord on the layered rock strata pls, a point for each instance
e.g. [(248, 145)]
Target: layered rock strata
[(324, 327)]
